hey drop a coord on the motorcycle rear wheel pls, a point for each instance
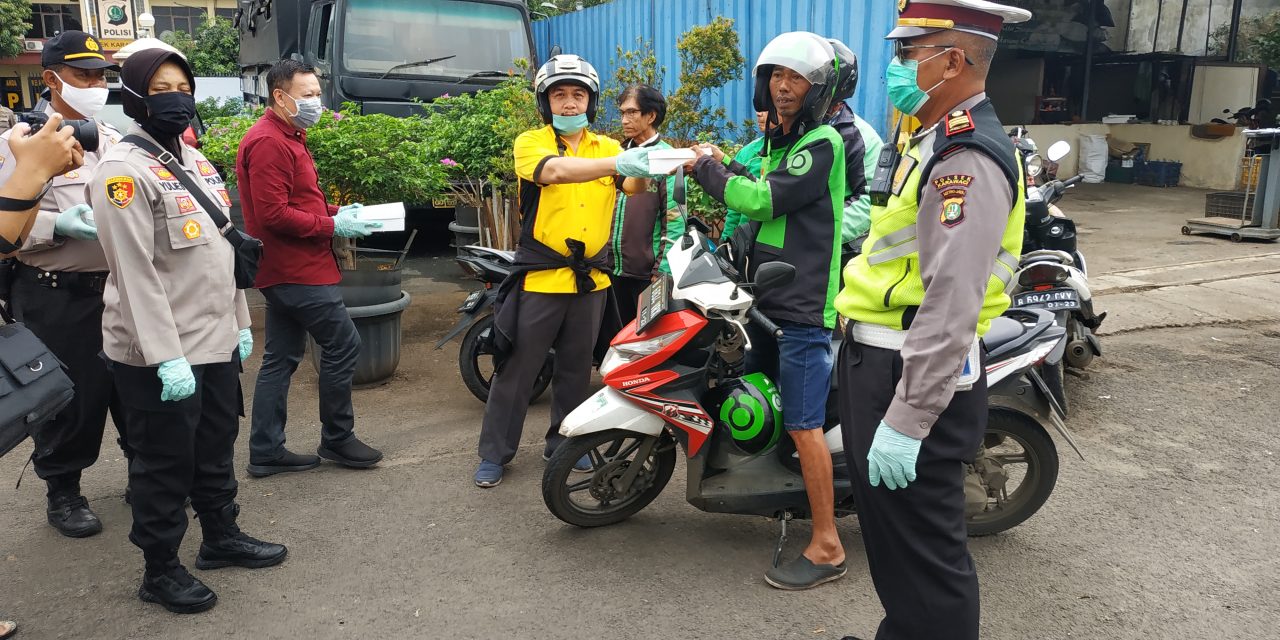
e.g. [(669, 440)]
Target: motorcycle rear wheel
[(1009, 431), (596, 500), (475, 363)]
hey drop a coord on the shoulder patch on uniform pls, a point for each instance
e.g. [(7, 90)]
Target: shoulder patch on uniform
[(71, 175), (953, 189), (952, 211), (226, 197), (800, 163), (120, 191), (206, 169), (953, 181), (959, 122)]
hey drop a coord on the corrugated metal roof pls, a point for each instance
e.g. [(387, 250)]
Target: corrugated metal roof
[(597, 32)]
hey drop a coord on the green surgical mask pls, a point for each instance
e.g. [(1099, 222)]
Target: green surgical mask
[(904, 86), (569, 125)]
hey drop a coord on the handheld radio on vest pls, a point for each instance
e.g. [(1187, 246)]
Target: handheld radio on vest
[(882, 180)]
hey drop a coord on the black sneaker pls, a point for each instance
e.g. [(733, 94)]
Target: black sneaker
[(176, 590), (352, 453), (286, 463), (71, 516)]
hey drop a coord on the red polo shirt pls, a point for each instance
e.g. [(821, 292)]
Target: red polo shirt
[(283, 205)]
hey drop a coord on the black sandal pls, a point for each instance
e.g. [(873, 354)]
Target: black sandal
[(802, 573)]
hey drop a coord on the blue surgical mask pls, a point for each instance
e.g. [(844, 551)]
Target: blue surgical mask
[(569, 125), (904, 86)]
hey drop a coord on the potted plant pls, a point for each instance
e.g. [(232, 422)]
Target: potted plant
[(471, 137)]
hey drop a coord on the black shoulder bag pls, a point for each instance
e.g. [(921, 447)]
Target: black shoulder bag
[(33, 385), (248, 249)]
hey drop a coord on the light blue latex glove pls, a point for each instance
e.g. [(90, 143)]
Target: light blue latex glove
[(178, 380), (634, 163), (246, 344), (71, 223), (892, 458), (347, 224)]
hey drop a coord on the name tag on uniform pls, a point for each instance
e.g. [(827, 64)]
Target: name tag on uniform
[(905, 166), (971, 370)]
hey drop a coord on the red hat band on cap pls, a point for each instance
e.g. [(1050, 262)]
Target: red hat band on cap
[(935, 16)]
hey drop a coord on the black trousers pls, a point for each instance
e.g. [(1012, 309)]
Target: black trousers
[(627, 290), (293, 311), (180, 449), (567, 322), (69, 322), (915, 538)]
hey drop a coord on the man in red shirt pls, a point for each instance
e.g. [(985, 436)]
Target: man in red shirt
[(285, 208)]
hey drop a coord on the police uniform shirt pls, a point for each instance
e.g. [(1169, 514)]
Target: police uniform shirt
[(44, 249), (171, 292), (964, 207)]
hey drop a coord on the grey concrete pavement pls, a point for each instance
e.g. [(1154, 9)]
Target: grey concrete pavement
[(1167, 530)]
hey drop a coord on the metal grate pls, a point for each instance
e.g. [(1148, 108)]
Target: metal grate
[(1228, 204)]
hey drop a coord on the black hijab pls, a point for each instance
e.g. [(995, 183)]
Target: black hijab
[(135, 75)]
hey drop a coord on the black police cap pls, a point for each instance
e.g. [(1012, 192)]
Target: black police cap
[(75, 49)]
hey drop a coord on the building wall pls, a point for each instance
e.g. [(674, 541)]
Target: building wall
[(1206, 164), (1017, 83)]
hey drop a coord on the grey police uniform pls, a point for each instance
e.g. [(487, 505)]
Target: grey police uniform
[(57, 293), (171, 294)]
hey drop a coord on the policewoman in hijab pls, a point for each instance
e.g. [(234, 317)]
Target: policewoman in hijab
[(175, 329)]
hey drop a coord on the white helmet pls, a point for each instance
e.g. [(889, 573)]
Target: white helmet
[(566, 67), (809, 55)]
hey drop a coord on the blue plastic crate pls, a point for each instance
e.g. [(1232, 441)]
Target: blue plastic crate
[(1158, 174)]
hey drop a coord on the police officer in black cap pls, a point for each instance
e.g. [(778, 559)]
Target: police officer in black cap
[(58, 281)]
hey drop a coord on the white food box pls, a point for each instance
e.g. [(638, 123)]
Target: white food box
[(666, 160), (391, 215)]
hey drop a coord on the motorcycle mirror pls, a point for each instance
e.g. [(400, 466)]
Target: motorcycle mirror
[(1058, 150), (772, 275)]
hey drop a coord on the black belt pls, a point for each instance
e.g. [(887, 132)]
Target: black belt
[(83, 281)]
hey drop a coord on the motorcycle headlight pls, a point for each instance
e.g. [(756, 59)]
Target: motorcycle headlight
[(629, 352), (1035, 164)]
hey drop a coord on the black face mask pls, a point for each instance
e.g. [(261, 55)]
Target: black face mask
[(170, 112)]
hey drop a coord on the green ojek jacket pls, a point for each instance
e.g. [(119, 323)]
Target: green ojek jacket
[(799, 203)]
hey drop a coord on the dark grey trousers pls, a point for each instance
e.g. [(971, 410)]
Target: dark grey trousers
[(293, 311), (567, 322)]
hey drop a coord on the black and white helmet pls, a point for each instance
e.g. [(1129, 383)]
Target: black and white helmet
[(809, 55), (566, 67), (846, 71)]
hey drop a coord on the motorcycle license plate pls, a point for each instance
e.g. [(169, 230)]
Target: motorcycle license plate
[(654, 302), (1051, 300), (472, 301)]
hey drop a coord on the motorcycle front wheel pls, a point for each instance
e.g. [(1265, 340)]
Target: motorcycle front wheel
[(475, 363), (599, 498), (1026, 465)]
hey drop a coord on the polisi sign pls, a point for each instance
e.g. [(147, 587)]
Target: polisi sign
[(115, 19)]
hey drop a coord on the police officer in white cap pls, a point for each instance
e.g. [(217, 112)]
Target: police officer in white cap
[(944, 242)]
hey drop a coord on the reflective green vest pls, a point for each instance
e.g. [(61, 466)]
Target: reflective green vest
[(884, 282)]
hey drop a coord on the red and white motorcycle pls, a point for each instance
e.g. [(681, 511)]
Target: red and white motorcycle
[(674, 379)]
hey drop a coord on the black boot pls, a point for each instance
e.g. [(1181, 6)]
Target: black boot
[(172, 587), (69, 512), (225, 545)]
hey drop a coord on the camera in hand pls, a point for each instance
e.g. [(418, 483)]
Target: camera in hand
[(85, 131)]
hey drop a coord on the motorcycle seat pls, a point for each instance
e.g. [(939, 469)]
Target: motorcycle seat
[(1003, 331)]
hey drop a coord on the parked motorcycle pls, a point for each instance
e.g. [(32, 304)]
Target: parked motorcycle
[(1052, 275), (674, 379), (475, 357)]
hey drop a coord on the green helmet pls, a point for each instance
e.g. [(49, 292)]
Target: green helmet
[(749, 412)]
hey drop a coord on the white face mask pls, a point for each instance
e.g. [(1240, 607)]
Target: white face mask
[(87, 102)]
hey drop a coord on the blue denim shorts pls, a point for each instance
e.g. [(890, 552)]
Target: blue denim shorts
[(802, 368)]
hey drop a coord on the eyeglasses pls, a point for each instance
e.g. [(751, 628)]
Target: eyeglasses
[(899, 49)]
